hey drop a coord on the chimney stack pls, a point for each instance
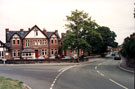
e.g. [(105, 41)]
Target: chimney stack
[(28, 29), (21, 30), (56, 31), (44, 30), (7, 30), (62, 35)]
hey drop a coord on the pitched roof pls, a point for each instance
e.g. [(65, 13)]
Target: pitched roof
[(11, 33), (25, 33), (49, 34), (33, 28), (8, 45), (5, 44)]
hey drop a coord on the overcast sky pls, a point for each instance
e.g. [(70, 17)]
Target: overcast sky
[(51, 14)]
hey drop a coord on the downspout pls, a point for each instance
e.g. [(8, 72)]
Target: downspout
[(49, 47)]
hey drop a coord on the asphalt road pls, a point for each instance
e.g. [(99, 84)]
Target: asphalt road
[(101, 74), (35, 76)]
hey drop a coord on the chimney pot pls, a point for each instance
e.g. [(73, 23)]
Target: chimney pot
[(7, 30), (62, 35), (56, 31), (44, 30), (21, 30), (28, 29)]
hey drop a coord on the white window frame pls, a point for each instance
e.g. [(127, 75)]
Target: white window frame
[(52, 41), (56, 51), (19, 53), (52, 52), (27, 43), (18, 41), (55, 40), (13, 41), (44, 42), (14, 53)]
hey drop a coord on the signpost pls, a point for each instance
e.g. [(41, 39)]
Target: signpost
[(4, 61)]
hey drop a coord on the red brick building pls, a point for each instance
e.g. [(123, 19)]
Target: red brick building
[(33, 43)]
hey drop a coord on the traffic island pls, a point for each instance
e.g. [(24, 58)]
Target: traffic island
[(8, 83)]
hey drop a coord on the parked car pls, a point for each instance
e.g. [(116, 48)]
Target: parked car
[(113, 54), (66, 57), (41, 57), (45, 57), (117, 57), (52, 57), (57, 56)]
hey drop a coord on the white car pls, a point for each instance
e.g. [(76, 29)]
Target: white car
[(52, 57), (66, 57), (41, 57)]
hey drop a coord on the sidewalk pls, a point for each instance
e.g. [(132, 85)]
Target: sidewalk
[(124, 66)]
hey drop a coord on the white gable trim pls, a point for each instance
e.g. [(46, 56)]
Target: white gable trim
[(53, 35), (32, 34)]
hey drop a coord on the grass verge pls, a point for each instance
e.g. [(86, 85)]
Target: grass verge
[(7, 83)]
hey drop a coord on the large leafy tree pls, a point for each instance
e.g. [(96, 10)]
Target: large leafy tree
[(85, 34), (74, 38), (108, 37)]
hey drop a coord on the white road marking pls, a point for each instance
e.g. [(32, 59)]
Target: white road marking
[(61, 71), (99, 64), (100, 73), (118, 84), (95, 67), (109, 79)]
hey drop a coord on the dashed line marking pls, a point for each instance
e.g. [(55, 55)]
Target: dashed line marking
[(99, 64), (109, 79), (118, 84), (100, 73), (95, 67), (61, 71)]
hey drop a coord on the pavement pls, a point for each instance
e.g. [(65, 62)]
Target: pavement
[(124, 66), (98, 73)]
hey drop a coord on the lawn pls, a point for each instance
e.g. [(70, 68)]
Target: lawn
[(7, 83)]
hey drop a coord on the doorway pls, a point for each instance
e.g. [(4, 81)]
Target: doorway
[(36, 53)]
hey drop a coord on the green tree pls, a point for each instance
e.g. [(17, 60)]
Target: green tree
[(108, 37), (74, 38), (128, 50), (85, 34)]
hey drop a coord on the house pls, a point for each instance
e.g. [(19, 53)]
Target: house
[(33, 43), (68, 52)]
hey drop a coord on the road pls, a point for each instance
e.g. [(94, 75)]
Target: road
[(101, 74), (35, 76)]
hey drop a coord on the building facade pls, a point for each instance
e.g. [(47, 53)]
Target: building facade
[(33, 43)]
